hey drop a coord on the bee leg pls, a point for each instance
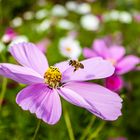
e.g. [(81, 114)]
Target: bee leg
[(75, 69)]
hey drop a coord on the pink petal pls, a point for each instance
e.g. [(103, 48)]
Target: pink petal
[(43, 45), (116, 52), (94, 68), (72, 97), (42, 101), (27, 54), (20, 74), (104, 103), (114, 83), (127, 64), (100, 48), (62, 66), (88, 53)]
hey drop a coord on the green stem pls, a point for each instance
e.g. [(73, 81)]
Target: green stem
[(68, 124), (36, 130), (2, 57), (88, 128), (97, 131), (4, 85)]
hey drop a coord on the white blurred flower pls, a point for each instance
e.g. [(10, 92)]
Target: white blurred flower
[(16, 22), (41, 14), (69, 47), (28, 15), (19, 39), (80, 8), (6, 39), (2, 46), (112, 15), (43, 26), (65, 24), (125, 17), (72, 5), (41, 2), (90, 22), (116, 15), (83, 8), (59, 10)]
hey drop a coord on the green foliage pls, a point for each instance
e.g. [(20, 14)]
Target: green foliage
[(16, 124)]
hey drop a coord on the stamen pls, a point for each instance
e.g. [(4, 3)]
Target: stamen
[(68, 49), (53, 77)]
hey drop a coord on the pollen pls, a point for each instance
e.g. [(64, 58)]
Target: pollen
[(53, 77)]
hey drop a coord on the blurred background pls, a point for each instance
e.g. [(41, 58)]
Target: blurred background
[(48, 24)]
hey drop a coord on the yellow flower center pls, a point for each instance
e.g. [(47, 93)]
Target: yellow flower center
[(68, 49), (53, 77)]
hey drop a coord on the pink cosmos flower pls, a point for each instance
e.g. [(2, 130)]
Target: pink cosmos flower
[(114, 54), (9, 35), (43, 45), (136, 17), (46, 84), (114, 82)]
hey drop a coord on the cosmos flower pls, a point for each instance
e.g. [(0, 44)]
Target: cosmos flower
[(71, 5), (28, 15), (114, 82), (69, 47), (111, 16), (43, 45), (136, 16), (59, 10), (125, 17), (65, 24), (42, 13), (19, 39), (80, 8), (90, 22), (115, 15), (114, 54), (43, 26), (46, 84), (9, 35), (16, 22), (83, 8)]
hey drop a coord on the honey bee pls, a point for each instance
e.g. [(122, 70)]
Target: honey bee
[(76, 64)]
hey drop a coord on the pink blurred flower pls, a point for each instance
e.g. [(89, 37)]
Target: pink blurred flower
[(116, 55), (137, 17), (9, 35), (43, 45), (119, 138), (114, 82), (47, 84)]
